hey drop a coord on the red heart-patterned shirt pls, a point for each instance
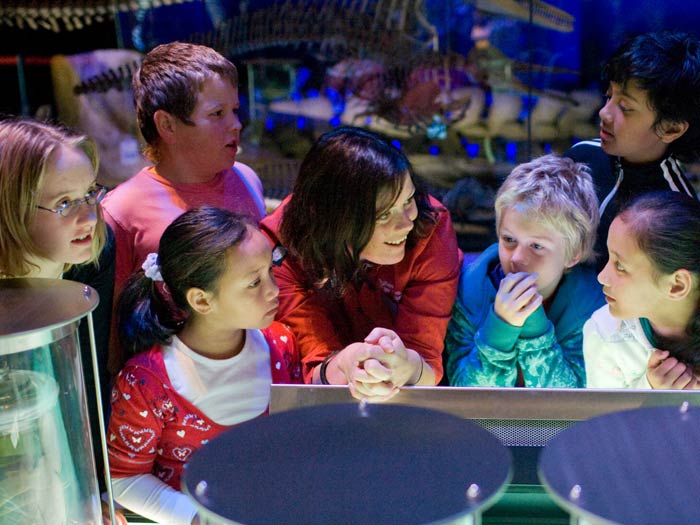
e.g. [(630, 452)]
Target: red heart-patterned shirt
[(154, 430)]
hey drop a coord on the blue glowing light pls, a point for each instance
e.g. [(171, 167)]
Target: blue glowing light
[(511, 151)]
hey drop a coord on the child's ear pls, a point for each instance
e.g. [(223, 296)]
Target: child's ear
[(199, 300), (165, 124), (680, 284), (673, 130), (574, 260)]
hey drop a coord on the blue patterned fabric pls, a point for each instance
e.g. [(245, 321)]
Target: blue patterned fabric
[(483, 350)]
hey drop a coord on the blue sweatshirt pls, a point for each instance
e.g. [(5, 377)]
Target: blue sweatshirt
[(484, 350)]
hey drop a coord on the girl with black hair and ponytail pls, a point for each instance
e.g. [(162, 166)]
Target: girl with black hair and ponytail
[(648, 335), (199, 319)]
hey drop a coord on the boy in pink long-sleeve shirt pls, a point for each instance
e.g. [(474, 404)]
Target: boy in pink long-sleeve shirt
[(187, 104)]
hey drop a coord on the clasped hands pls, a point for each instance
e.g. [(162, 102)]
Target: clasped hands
[(378, 366)]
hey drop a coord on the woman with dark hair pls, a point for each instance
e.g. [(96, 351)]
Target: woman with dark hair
[(371, 267), (648, 335), (200, 318)]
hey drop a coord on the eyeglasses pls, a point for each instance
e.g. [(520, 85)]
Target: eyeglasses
[(68, 208)]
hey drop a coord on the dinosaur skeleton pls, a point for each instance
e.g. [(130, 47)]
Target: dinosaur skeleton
[(384, 28), (394, 33), (331, 28), (114, 78), (58, 15), (543, 14)]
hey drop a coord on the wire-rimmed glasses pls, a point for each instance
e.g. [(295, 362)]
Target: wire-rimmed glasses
[(68, 208)]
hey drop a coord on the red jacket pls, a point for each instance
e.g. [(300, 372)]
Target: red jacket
[(414, 298)]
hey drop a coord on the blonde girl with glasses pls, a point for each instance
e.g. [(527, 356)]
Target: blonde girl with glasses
[(48, 200), (51, 226)]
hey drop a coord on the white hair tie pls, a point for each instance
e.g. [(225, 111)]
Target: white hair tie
[(151, 268)]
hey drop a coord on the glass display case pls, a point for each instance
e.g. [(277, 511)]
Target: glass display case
[(467, 88), (47, 467)]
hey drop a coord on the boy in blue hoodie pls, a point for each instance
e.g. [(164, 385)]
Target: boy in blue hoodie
[(521, 305)]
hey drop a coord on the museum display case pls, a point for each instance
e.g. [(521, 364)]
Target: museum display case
[(46, 456), (466, 88)]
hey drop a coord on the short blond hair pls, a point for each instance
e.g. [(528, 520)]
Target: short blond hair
[(559, 194), (25, 149)]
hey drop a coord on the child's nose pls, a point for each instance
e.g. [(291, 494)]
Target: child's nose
[(235, 121), (272, 290), (604, 112), (519, 256), (603, 275)]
